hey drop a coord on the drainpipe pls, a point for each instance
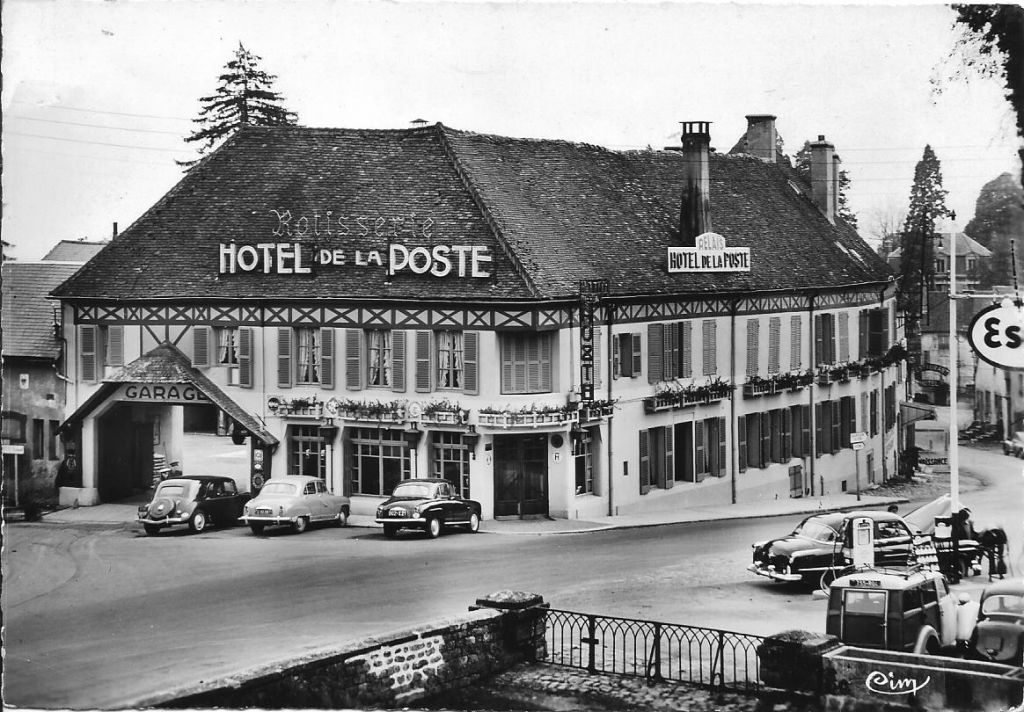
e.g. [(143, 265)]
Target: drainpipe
[(733, 306), (813, 430), (610, 312)]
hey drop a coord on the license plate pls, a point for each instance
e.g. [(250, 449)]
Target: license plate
[(396, 513), (263, 511)]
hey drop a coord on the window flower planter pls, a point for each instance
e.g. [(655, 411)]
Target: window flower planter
[(595, 411), (761, 387), (687, 397), (527, 419), (443, 417)]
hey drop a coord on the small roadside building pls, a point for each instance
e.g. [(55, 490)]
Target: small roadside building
[(559, 329)]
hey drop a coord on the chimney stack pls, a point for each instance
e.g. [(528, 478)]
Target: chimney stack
[(695, 216), (824, 177), (761, 136)]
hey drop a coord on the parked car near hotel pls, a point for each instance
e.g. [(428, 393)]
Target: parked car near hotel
[(999, 634), (296, 501), (1015, 445), (198, 501), (429, 504), (822, 544)]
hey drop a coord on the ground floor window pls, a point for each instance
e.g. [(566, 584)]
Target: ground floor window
[(379, 460), (583, 453), (306, 451), (449, 459)]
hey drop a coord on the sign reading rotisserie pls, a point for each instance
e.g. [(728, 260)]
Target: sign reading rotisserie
[(709, 255)]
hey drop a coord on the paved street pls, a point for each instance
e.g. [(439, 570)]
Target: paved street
[(100, 615)]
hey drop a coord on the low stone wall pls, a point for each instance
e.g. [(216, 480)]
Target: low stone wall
[(501, 630)]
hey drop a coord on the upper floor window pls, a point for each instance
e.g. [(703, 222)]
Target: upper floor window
[(626, 355), (824, 339), (450, 363), (304, 356), (307, 356), (709, 331), (526, 362), (753, 345), (874, 328), (227, 346), (378, 357), (99, 346), (669, 351), (375, 358)]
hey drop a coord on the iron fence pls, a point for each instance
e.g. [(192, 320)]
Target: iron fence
[(656, 651)]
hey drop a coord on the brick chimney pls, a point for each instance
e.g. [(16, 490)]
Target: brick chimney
[(824, 177), (761, 136), (695, 215)]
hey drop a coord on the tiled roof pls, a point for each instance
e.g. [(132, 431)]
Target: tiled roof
[(965, 245), (72, 251), (551, 212), (27, 314)]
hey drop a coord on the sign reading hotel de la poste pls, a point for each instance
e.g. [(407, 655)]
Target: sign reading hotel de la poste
[(710, 255), (303, 243)]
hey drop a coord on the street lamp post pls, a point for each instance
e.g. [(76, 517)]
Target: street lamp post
[(954, 372)]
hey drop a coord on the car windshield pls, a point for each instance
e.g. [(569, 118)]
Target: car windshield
[(816, 530), (414, 489), (278, 488), (174, 489), (1003, 605)]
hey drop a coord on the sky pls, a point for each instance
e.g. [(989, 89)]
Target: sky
[(98, 96)]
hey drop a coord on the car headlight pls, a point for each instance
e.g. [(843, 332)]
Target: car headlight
[(418, 509), (280, 511), (246, 509), (380, 512)]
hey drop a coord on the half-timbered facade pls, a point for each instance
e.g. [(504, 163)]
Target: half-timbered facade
[(368, 306)]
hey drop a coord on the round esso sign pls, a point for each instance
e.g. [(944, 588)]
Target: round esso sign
[(997, 335)]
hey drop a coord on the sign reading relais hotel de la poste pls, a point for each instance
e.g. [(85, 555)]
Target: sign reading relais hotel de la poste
[(302, 243)]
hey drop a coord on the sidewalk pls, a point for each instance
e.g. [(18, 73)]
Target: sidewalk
[(121, 514)]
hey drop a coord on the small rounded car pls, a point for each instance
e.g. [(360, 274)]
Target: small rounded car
[(296, 501), (430, 504), (999, 633), (198, 501)]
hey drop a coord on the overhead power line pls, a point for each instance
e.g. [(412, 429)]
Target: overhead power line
[(101, 111), (93, 143), (96, 126)]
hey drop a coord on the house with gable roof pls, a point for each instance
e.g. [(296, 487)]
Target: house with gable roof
[(557, 328)]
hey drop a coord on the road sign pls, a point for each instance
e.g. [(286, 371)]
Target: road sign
[(996, 336), (858, 438), (14, 449), (858, 446)]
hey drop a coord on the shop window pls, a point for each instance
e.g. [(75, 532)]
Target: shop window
[(526, 362), (583, 453), (449, 460), (447, 360), (379, 460), (306, 451)]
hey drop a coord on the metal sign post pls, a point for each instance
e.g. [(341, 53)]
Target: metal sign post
[(857, 441)]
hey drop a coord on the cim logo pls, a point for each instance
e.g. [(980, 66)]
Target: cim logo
[(888, 684), (997, 335)]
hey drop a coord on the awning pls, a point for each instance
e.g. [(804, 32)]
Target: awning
[(913, 412), (166, 365)]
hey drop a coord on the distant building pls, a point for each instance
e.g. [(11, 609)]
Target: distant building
[(33, 349), (969, 256)]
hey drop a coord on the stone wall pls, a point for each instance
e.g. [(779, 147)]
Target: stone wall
[(393, 670)]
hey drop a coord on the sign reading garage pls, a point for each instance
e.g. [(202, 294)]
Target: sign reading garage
[(175, 393)]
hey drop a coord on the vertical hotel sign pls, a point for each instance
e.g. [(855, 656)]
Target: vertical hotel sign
[(710, 255)]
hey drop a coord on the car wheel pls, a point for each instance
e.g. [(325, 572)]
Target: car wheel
[(151, 529), (474, 522), (300, 525), (343, 518), (256, 528), (434, 527), (197, 522)]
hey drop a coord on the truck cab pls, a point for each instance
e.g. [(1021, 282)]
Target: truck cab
[(912, 612)]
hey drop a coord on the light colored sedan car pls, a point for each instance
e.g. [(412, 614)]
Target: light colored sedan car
[(296, 501)]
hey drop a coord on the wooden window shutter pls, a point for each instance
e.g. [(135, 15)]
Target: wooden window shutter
[(398, 361), (741, 443), (115, 345), (424, 361), (245, 336), (669, 468), (837, 419), (721, 447), (753, 328), (774, 343), (547, 344), (470, 360), (863, 412), (285, 347), (686, 349), (616, 357), (805, 429), (710, 342), (874, 412), (863, 329), (598, 362), (766, 438), (637, 355), (828, 323), (778, 432), (645, 462), (655, 352), (327, 357), (787, 434), (700, 464), (201, 338), (354, 359), (819, 429), (88, 340), (844, 337), (819, 340), (532, 379), (671, 369), (795, 346)]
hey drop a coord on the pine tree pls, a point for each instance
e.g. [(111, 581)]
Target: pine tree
[(917, 262), (802, 163), (244, 97)]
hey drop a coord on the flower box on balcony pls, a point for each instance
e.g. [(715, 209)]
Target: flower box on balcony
[(760, 388), (443, 417), (301, 410), (595, 411), (865, 370), (366, 415), (527, 419), (657, 404)]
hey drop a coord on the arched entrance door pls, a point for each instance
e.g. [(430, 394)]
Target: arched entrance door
[(520, 475)]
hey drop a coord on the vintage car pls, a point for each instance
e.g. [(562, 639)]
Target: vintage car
[(296, 501), (911, 612), (429, 504), (199, 501), (822, 545), (1015, 445), (999, 634)]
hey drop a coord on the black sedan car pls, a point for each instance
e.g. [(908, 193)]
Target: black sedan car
[(430, 504), (823, 543), (999, 634), (197, 501)]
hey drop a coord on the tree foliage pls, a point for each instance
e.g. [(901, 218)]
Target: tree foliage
[(244, 97), (998, 217), (917, 260), (802, 163), (999, 29)]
